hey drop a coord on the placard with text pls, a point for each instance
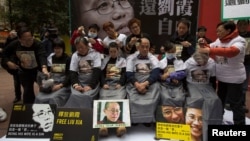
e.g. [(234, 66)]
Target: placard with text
[(31, 121), (74, 124)]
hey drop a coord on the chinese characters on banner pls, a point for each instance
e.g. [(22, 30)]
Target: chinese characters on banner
[(158, 17)]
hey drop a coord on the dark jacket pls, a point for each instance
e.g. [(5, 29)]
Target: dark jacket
[(247, 56), (142, 35), (186, 51), (10, 54)]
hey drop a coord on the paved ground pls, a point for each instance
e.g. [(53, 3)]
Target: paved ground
[(6, 97)]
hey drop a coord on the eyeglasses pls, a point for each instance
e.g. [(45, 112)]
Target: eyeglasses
[(107, 6), (114, 111), (169, 112), (43, 114)]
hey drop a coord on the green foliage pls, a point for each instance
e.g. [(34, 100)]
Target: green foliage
[(37, 13)]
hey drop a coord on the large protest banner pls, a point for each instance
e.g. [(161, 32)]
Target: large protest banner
[(158, 17)]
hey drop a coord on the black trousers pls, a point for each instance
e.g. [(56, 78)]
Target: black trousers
[(232, 94), (17, 85), (27, 79)]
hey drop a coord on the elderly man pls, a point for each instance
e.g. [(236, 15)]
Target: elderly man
[(142, 73)]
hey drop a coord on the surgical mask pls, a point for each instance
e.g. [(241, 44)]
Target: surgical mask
[(170, 55), (92, 35)]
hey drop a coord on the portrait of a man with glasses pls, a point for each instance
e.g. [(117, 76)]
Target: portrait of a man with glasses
[(173, 114), (43, 114), (119, 12), (31, 121)]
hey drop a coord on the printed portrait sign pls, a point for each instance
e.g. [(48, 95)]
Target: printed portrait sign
[(179, 123), (193, 118), (31, 121), (111, 113), (170, 114)]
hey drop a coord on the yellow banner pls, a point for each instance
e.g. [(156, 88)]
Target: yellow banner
[(172, 131)]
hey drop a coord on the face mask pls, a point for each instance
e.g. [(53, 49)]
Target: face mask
[(170, 55), (92, 35)]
